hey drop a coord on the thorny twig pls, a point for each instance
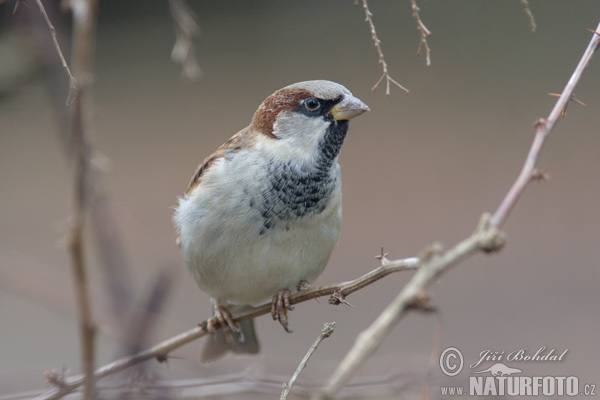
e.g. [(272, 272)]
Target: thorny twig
[(161, 350), (487, 238), (423, 31), (377, 43), (72, 81), (529, 15), (542, 131), (327, 331)]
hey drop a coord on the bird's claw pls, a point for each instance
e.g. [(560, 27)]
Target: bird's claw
[(280, 306), (222, 318)]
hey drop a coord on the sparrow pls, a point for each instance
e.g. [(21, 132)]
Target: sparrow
[(262, 214)]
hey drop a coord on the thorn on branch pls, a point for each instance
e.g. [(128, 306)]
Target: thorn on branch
[(421, 302), (539, 122), (539, 175), (383, 258), (431, 251), (162, 358), (338, 298), (56, 378), (572, 98)]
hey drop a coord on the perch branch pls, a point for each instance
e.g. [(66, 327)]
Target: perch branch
[(162, 350), (487, 238)]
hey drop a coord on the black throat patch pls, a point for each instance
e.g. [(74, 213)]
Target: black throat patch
[(295, 192)]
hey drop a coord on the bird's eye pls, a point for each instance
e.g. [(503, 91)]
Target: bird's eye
[(312, 104)]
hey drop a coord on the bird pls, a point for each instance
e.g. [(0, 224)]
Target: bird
[(262, 214)]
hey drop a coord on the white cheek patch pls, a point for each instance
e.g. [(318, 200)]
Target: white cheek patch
[(298, 136)]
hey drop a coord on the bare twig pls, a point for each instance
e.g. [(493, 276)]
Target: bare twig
[(543, 129), (377, 43), (529, 15), (423, 31), (186, 31), (327, 331), (84, 24), (487, 238), (161, 350), (72, 81)]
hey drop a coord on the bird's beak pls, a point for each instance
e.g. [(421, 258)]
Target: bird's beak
[(348, 108)]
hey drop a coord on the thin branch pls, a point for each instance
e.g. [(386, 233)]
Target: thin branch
[(543, 129), (368, 341), (327, 331), (487, 238), (423, 31), (377, 43), (84, 25), (161, 350), (72, 81), (529, 15)]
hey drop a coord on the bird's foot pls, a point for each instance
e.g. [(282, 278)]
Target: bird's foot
[(302, 285), (222, 318), (280, 307)]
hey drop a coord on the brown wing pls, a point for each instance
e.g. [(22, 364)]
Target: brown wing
[(234, 144)]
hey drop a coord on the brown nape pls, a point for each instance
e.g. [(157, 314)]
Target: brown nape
[(283, 99)]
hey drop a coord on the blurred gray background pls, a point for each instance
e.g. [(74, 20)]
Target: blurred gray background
[(419, 168)]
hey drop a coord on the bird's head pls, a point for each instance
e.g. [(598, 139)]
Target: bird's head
[(307, 119)]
